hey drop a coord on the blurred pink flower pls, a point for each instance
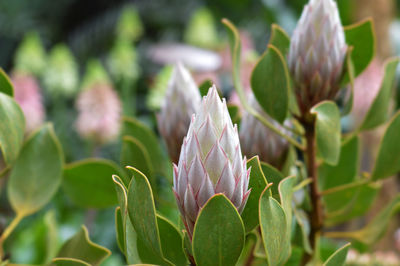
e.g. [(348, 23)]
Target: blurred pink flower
[(27, 93), (99, 113)]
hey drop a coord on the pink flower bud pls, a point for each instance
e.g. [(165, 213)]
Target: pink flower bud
[(99, 113), (181, 101), (317, 51), (210, 161), (28, 96)]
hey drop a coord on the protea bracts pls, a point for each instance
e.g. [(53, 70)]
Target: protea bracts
[(317, 51), (257, 139), (210, 161), (181, 101)]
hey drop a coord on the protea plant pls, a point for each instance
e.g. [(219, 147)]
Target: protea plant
[(99, 107), (28, 95), (210, 161), (317, 52), (181, 101), (257, 139)]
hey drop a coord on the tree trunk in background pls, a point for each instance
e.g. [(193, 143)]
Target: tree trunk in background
[(382, 12)]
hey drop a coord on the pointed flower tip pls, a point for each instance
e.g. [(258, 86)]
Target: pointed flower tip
[(209, 154)]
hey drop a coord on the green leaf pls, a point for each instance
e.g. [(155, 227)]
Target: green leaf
[(348, 79), (257, 184), (80, 247), (187, 245), (68, 262), (339, 257), (234, 113), (130, 237), (362, 37), (37, 172), (6, 86), (144, 135), (343, 173), (374, 230), (359, 201), (12, 128), (304, 225), (388, 160), (120, 229), (327, 127), (273, 176), (135, 154), (280, 39), (271, 83), (142, 214), (88, 182), (286, 196), (171, 242), (378, 112), (205, 86), (273, 229), (218, 236)]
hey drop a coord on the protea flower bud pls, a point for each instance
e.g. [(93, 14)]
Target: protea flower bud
[(257, 139), (99, 108), (210, 161), (28, 96), (181, 101), (317, 52), (61, 76)]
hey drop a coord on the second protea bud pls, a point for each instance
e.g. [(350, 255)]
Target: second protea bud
[(257, 139), (28, 95), (317, 52), (181, 101), (99, 107), (210, 161)]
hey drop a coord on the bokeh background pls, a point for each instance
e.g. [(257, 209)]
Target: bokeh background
[(63, 45)]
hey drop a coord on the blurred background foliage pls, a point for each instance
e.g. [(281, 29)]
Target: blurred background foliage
[(66, 44)]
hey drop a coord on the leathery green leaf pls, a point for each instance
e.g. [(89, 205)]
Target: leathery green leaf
[(12, 128), (343, 173), (378, 112), (257, 184), (327, 131), (362, 37), (270, 83), (171, 242), (374, 230), (136, 129), (273, 176), (134, 153), (80, 247), (388, 160), (120, 229), (5, 84), (273, 227), (218, 237), (280, 39), (142, 214), (36, 175), (68, 262), (129, 237), (88, 182), (339, 257), (359, 201), (286, 196)]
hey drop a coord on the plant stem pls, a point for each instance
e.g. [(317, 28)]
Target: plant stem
[(316, 214), (6, 233)]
